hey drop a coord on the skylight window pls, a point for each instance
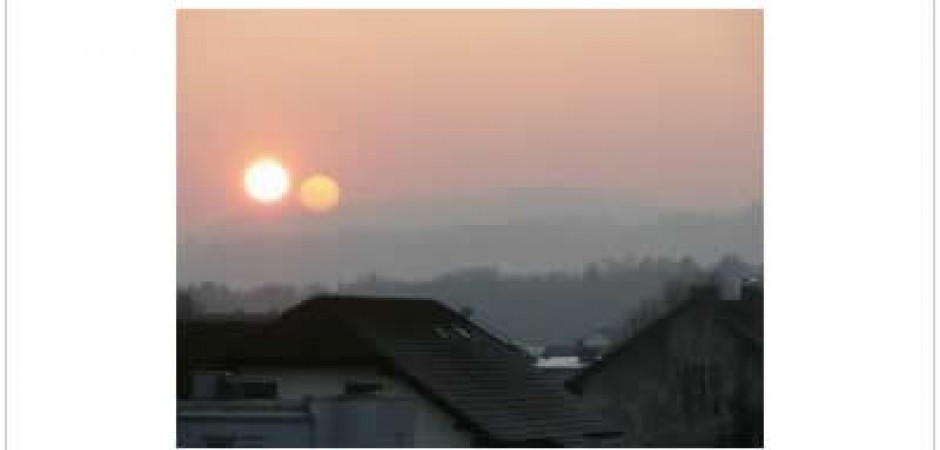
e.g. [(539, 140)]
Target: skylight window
[(462, 331)]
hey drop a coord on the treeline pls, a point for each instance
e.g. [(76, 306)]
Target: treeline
[(216, 299), (532, 309)]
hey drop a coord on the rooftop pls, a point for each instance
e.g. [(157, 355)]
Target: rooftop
[(742, 317), (489, 385)]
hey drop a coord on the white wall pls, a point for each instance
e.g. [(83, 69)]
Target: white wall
[(433, 427)]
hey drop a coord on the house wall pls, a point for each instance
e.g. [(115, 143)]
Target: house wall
[(434, 427), (249, 428)]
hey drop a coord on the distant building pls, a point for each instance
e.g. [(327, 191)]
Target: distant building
[(600, 339), (536, 351), (569, 357), (342, 371), (559, 362), (694, 378)]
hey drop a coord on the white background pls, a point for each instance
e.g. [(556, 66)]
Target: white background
[(91, 219)]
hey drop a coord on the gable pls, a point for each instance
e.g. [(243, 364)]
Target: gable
[(700, 328)]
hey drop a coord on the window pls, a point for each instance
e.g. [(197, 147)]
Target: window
[(361, 387), (250, 388), (462, 331), (259, 389), (207, 384)]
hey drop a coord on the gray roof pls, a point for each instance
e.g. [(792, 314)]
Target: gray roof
[(487, 382), (499, 392)]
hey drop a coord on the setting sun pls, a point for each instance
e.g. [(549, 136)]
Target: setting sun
[(266, 180), (319, 193)]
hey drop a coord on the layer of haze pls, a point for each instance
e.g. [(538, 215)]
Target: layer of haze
[(431, 117)]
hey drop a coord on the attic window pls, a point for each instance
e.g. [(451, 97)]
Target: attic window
[(462, 331)]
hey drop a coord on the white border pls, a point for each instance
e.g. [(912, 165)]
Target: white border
[(472, 4)]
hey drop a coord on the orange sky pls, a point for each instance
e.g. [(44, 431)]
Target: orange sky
[(663, 105)]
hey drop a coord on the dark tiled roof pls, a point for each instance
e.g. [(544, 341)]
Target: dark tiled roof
[(491, 386), (745, 318), (320, 340), (488, 383), (212, 342)]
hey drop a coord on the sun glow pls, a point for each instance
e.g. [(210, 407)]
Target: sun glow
[(319, 193), (266, 180)]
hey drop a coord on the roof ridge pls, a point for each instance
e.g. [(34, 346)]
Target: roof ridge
[(574, 382), (368, 297)]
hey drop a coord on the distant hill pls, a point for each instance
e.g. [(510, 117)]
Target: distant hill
[(532, 239)]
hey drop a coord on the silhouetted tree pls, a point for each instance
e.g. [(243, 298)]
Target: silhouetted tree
[(186, 307)]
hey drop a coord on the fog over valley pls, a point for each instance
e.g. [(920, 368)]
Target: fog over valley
[(527, 231)]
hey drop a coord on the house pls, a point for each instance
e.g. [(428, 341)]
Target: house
[(693, 378), (579, 353), (371, 372), (349, 420)]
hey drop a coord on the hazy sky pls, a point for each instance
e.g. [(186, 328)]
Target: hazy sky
[(665, 106)]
